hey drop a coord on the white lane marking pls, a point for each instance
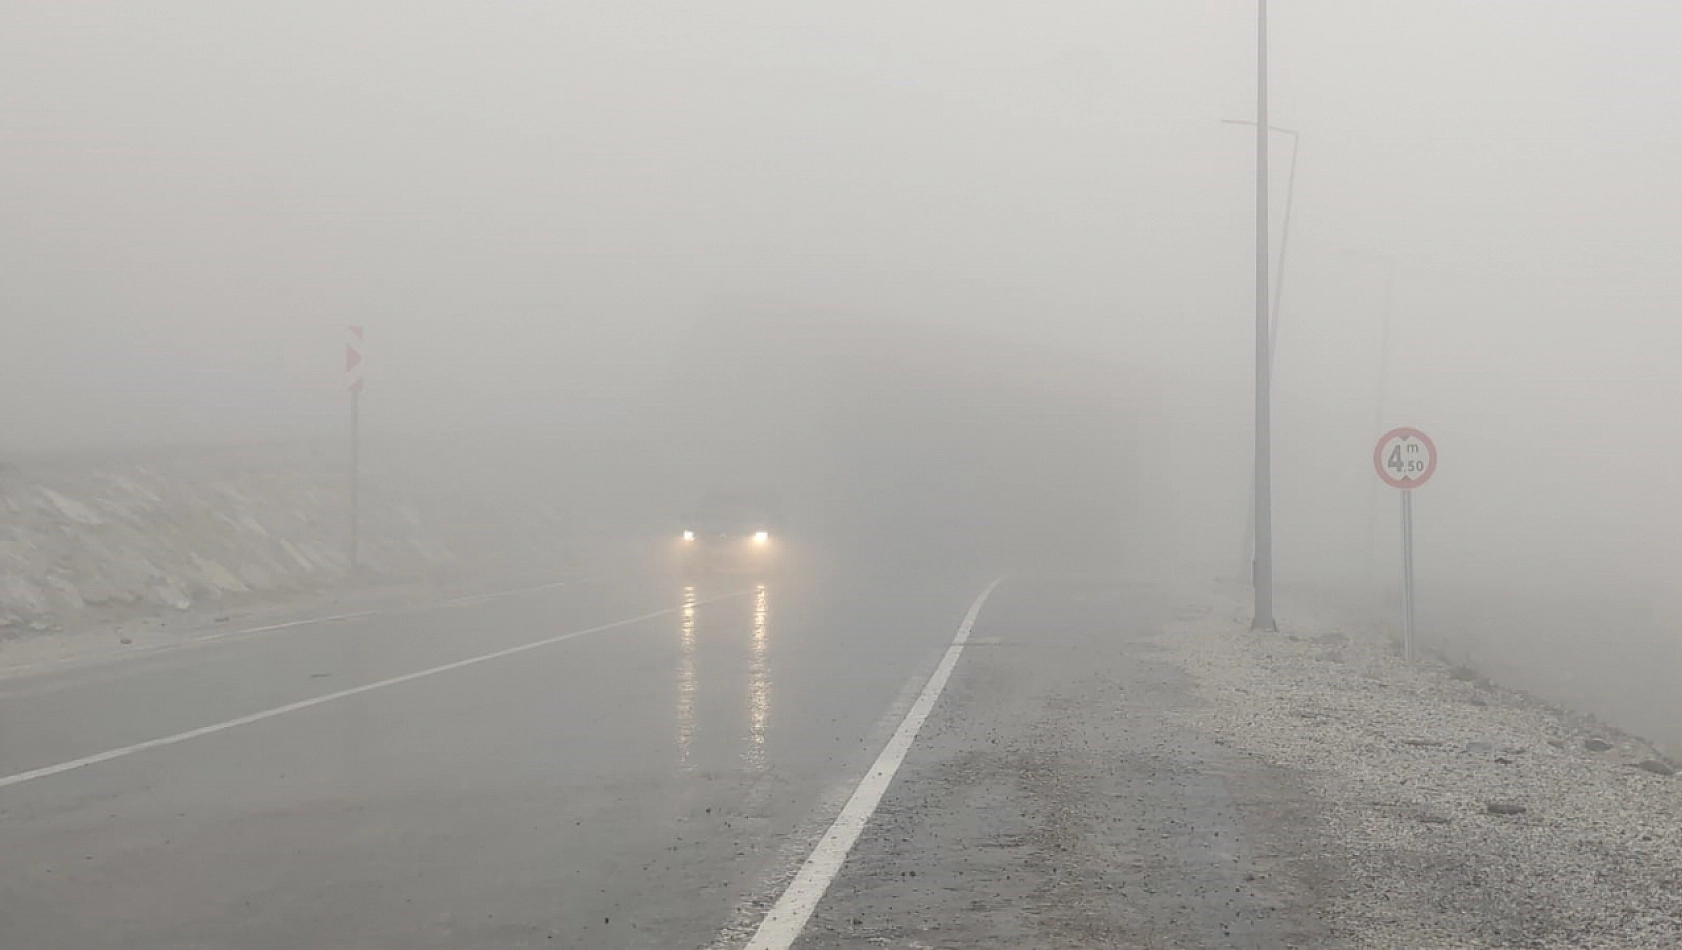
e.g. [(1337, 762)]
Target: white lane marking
[(78, 662), (85, 761), (792, 852), (788, 916)]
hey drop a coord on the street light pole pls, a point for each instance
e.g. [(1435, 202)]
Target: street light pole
[(1262, 568), (1249, 553), (1284, 237), (1284, 246)]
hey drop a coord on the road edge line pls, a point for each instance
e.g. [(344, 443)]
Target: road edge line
[(787, 918)]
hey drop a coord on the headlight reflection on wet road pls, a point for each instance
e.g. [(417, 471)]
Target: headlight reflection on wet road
[(686, 678), (759, 684)]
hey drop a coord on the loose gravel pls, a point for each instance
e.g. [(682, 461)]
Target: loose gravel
[(1463, 815)]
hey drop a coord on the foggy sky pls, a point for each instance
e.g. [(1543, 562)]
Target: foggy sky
[(531, 202)]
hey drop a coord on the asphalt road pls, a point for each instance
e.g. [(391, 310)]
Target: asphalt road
[(1063, 794), (622, 763)]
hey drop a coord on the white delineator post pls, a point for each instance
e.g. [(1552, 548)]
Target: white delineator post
[(353, 383), (1406, 459)]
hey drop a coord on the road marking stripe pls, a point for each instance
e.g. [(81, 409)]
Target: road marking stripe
[(149, 744), (788, 916)]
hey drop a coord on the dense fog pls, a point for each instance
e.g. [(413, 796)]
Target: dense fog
[(965, 280)]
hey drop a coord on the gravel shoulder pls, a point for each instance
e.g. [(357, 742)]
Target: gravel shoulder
[(1061, 795), (1131, 767), (1460, 814)]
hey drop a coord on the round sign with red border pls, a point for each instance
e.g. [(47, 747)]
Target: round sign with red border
[(1405, 458)]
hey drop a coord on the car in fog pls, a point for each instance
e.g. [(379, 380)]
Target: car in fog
[(731, 530)]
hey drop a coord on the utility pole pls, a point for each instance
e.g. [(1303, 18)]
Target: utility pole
[(1262, 564)]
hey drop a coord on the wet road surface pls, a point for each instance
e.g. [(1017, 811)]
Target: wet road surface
[(631, 762), (627, 787)]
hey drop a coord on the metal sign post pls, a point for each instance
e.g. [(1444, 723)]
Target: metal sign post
[(1406, 459), (1407, 574), (353, 376)]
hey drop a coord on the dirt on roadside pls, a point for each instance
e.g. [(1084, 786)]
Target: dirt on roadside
[(1062, 795)]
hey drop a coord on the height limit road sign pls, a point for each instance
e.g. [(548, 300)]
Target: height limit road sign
[(1405, 458)]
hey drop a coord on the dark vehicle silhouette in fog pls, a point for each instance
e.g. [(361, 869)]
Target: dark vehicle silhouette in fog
[(732, 530)]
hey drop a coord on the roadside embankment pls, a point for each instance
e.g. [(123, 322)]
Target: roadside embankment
[(1460, 814), (89, 540), (1127, 764), (1610, 652)]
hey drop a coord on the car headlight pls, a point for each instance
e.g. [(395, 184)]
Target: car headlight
[(762, 537), (688, 535)]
